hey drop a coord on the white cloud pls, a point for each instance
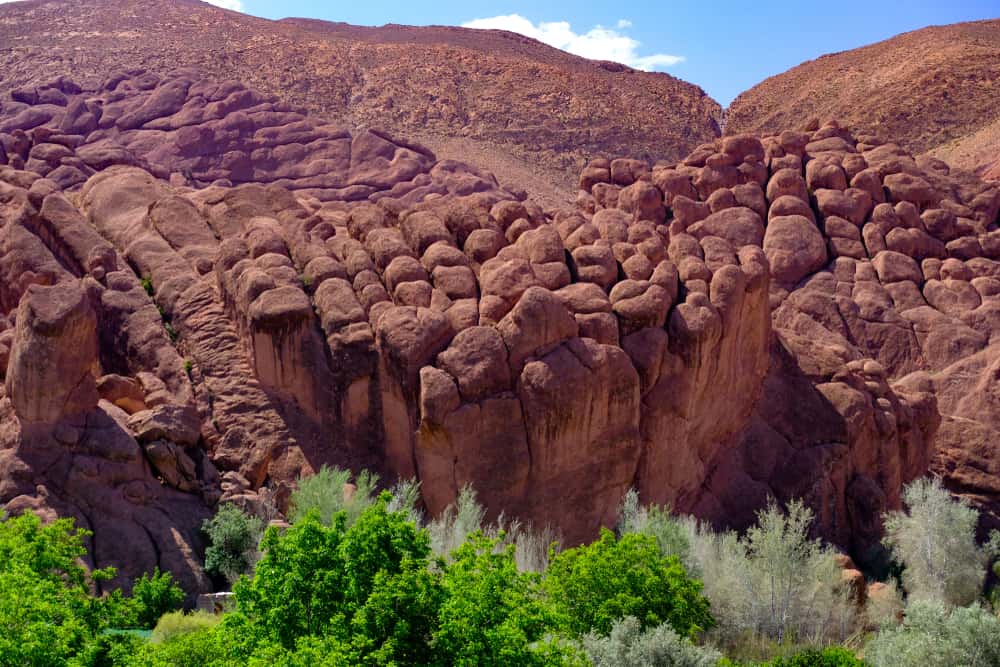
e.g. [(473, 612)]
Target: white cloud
[(598, 43), (235, 5)]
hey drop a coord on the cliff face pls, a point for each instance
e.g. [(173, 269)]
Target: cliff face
[(795, 316)]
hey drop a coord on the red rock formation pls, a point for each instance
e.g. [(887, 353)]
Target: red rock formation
[(710, 331), (528, 112), (929, 89)]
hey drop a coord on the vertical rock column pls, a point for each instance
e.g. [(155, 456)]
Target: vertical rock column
[(53, 368)]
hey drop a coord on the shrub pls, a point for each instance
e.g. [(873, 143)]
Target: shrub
[(932, 635), (595, 585), (466, 517), (885, 607), (775, 581), (204, 647), (833, 656), (671, 533), (326, 493), (177, 623), (233, 536), (460, 519), (659, 646), (155, 595), (935, 540)]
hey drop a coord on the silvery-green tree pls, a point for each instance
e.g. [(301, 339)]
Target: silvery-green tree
[(935, 541)]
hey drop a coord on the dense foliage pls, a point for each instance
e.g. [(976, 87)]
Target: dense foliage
[(595, 585), (359, 578), (934, 636), (48, 614), (233, 536)]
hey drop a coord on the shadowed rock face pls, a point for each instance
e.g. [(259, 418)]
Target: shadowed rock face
[(793, 316)]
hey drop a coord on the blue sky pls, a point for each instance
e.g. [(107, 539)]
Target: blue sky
[(724, 47)]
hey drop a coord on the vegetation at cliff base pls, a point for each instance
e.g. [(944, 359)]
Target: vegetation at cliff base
[(361, 578)]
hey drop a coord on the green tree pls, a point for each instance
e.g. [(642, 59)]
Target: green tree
[(595, 585), (233, 536), (397, 621), (47, 614), (154, 595), (298, 588), (492, 614), (367, 586)]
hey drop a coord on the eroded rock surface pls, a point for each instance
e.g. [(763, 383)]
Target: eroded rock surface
[(793, 316)]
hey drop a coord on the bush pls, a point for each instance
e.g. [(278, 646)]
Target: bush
[(834, 656), (155, 595), (327, 493), (595, 585), (466, 517), (671, 533), (932, 635), (935, 540), (178, 623), (460, 519), (233, 537), (629, 646), (774, 583), (204, 647)]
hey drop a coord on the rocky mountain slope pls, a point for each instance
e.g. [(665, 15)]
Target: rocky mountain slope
[(804, 315), (510, 104), (931, 90)]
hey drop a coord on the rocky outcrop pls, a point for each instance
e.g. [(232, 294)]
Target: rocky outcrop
[(66, 451), (924, 89), (194, 131), (790, 316), (502, 101), (882, 308)]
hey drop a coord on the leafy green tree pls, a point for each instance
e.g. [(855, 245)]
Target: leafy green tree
[(594, 585), (47, 614), (367, 586), (492, 614), (299, 585), (154, 595), (397, 621), (935, 540), (233, 536)]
